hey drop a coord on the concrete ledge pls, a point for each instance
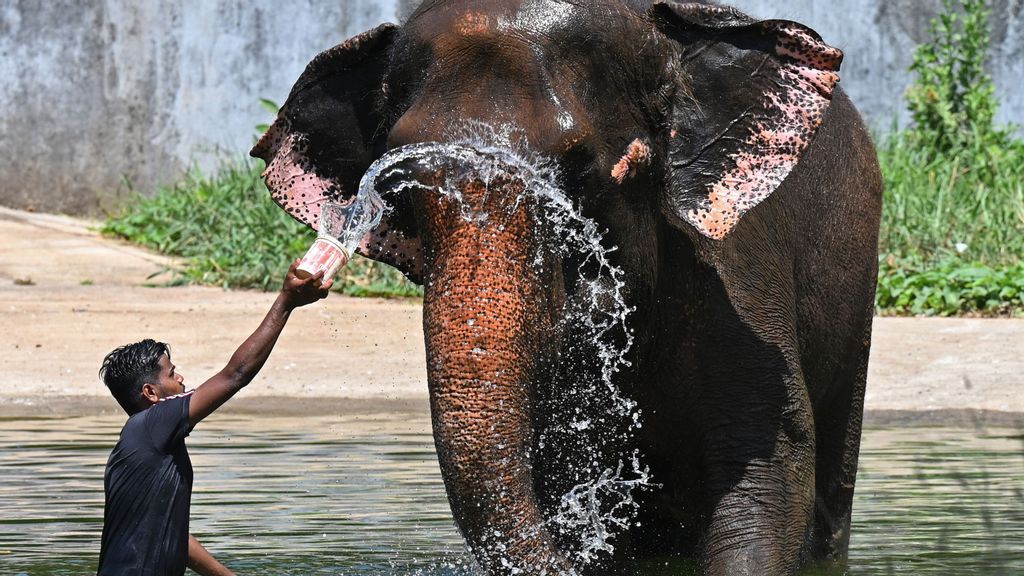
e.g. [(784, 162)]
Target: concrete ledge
[(947, 418)]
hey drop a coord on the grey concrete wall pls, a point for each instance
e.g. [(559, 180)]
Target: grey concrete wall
[(879, 37), (99, 92)]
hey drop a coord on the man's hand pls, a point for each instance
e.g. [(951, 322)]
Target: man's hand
[(299, 292)]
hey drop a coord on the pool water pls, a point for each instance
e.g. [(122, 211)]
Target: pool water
[(363, 495)]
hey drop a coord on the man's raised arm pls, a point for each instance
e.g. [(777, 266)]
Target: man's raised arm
[(253, 353)]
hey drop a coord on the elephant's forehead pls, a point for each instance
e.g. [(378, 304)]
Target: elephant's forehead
[(522, 17), (541, 17)]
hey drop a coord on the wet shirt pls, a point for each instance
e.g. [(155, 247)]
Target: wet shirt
[(148, 487)]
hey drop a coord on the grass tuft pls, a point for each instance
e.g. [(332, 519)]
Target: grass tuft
[(963, 206)]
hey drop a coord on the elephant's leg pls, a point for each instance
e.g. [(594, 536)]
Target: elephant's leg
[(757, 452), (838, 418), (839, 444), (760, 489)]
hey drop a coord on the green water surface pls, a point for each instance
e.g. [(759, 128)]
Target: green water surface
[(363, 495)]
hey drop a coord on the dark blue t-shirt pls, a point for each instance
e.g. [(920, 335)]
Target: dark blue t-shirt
[(148, 486)]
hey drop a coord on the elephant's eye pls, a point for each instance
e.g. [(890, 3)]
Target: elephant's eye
[(577, 166)]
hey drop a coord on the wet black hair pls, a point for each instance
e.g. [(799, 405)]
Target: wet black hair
[(128, 368)]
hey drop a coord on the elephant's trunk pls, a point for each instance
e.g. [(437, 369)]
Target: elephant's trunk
[(487, 314)]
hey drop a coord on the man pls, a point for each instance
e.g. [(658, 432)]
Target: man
[(148, 480)]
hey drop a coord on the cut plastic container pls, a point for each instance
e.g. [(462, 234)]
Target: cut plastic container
[(325, 254), (339, 231)]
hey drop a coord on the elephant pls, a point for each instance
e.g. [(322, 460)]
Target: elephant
[(647, 238)]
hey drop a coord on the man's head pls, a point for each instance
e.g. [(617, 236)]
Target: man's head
[(140, 374)]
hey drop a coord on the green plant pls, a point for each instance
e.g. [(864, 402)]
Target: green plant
[(949, 287), (937, 206), (952, 234), (952, 101)]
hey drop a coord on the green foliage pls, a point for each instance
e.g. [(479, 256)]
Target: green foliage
[(230, 233), (952, 235), (950, 287), (936, 206), (953, 102)]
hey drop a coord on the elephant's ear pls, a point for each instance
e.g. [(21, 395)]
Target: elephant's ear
[(749, 98), (328, 132)]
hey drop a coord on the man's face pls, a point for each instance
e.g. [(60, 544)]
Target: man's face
[(169, 382)]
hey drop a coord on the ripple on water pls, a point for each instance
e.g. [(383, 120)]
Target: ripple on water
[(363, 495)]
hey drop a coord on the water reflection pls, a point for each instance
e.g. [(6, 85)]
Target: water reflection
[(363, 495), (939, 501), (271, 496)]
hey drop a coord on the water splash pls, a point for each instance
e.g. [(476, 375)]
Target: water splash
[(595, 421), (584, 509), (348, 223)]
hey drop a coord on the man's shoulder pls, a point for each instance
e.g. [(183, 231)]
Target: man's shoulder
[(138, 424), (171, 403)]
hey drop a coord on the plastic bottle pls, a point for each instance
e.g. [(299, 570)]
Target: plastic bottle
[(341, 228)]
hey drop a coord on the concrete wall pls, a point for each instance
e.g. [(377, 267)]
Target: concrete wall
[(879, 37), (99, 92), (95, 92)]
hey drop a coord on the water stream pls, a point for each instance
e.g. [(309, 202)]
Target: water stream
[(591, 424)]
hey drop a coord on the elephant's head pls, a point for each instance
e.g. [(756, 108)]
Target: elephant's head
[(654, 120)]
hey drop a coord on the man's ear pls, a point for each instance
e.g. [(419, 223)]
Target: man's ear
[(150, 393), (749, 97)]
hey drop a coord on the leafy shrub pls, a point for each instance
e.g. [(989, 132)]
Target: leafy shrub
[(949, 288), (952, 233), (953, 102)]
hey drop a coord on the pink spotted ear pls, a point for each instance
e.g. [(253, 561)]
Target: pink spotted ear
[(750, 97)]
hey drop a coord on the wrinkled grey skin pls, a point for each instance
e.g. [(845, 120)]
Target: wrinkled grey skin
[(742, 193)]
